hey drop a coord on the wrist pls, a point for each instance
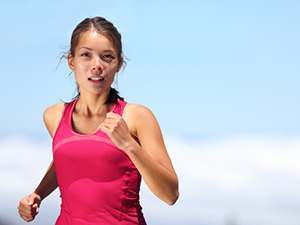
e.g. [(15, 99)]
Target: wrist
[(39, 195), (132, 147)]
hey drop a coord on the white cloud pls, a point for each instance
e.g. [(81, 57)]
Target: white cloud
[(250, 180), (254, 179)]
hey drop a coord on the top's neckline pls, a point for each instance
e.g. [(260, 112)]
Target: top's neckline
[(71, 123)]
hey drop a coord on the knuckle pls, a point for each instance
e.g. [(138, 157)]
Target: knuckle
[(25, 218)]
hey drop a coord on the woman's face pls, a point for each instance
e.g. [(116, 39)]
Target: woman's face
[(94, 58)]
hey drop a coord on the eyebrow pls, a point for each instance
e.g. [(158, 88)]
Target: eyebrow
[(107, 50)]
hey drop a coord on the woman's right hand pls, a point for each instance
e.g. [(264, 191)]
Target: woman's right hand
[(29, 206)]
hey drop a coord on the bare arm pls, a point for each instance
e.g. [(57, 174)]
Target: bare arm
[(151, 157), (29, 205), (48, 183)]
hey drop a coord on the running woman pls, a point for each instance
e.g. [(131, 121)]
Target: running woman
[(102, 145)]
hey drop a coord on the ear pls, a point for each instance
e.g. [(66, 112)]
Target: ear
[(71, 61)]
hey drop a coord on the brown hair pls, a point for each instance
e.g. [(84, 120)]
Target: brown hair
[(104, 27)]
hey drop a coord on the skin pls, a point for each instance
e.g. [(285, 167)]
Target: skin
[(141, 139)]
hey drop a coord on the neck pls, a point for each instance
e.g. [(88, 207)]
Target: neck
[(92, 105)]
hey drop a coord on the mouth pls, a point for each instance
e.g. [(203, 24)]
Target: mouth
[(96, 80)]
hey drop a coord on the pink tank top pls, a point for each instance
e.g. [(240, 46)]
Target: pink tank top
[(98, 183)]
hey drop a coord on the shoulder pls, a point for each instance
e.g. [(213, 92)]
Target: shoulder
[(137, 110), (140, 117), (52, 115)]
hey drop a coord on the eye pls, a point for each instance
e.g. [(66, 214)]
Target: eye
[(108, 57), (85, 54)]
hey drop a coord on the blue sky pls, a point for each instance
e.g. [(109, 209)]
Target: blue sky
[(205, 68)]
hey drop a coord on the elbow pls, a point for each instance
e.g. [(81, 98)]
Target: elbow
[(175, 194), (174, 199)]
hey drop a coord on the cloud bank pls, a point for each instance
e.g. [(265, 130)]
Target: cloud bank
[(241, 180)]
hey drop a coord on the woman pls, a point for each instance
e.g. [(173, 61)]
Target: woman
[(102, 145)]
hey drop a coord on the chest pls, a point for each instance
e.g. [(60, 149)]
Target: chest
[(91, 125)]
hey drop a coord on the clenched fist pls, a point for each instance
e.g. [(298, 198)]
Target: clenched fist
[(29, 206)]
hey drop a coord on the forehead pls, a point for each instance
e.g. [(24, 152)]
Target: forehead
[(92, 39)]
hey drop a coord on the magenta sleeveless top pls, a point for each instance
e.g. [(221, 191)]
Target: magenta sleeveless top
[(98, 183)]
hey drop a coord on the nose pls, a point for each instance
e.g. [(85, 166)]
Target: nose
[(97, 67)]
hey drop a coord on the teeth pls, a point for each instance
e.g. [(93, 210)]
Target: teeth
[(96, 78)]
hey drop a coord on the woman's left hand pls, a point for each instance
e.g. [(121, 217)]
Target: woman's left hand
[(117, 130)]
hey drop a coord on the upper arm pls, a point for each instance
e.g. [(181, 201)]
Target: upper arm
[(150, 136), (52, 116)]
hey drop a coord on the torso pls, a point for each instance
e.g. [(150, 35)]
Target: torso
[(98, 183)]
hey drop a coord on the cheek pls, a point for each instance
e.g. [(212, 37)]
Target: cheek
[(83, 65), (113, 68), (82, 68), (80, 73)]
